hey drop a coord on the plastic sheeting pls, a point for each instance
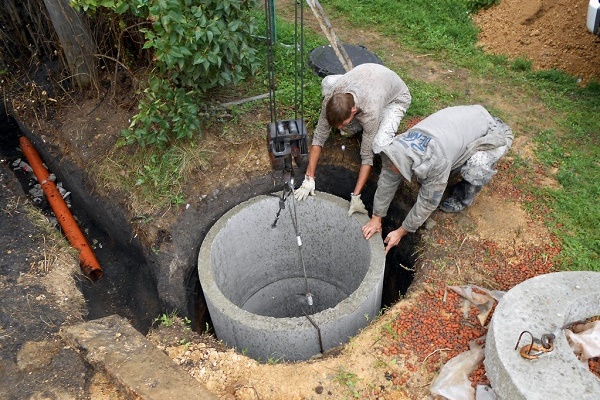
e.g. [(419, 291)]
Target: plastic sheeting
[(483, 301), (453, 381), (584, 339)]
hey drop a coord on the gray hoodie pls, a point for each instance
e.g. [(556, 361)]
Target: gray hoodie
[(373, 87), (430, 150)]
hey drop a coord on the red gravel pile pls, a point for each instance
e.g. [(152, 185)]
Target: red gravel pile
[(434, 329)]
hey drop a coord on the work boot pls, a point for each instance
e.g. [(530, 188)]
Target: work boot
[(462, 197)]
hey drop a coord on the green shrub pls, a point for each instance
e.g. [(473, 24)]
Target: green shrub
[(197, 45), (165, 111), (202, 45)]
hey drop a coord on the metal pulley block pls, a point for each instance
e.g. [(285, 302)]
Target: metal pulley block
[(287, 140)]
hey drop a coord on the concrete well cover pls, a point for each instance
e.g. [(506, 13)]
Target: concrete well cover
[(254, 285), (542, 305)]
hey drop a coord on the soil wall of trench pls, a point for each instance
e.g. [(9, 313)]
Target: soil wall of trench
[(171, 265)]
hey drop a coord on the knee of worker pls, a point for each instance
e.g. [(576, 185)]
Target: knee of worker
[(479, 176), (481, 167), (391, 115), (388, 127)]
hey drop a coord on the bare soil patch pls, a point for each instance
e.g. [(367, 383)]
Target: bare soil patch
[(550, 33)]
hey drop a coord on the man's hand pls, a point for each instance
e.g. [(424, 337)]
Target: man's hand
[(374, 225), (356, 205), (393, 238), (307, 188)]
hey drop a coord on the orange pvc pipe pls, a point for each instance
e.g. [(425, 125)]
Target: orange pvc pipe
[(88, 262)]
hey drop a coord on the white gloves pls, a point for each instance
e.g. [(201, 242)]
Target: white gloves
[(307, 188), (356, 205)]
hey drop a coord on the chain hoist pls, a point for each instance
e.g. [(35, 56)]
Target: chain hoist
[(287, 140)]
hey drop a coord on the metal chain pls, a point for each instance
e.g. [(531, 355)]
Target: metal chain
[(294, 218)]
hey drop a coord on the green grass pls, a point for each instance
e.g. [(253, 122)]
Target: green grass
[(348, 379), (153, 178), (423, 25), (170, 319), (575, 153), (573, 150)]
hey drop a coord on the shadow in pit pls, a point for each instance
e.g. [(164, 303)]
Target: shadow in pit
[(338, 181)]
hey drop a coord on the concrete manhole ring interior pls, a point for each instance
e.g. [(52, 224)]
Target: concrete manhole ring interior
[(252, 276)]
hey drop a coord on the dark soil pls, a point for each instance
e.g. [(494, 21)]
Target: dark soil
[(28, 311), (34, 362)]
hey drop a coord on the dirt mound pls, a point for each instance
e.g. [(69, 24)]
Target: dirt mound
[(550, 33)]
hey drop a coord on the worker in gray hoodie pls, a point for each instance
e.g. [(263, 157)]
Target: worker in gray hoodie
[(462, 139), (371, 99)]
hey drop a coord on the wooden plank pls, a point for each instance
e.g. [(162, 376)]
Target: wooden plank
[(76, 42), (133, 363), (327, 29)]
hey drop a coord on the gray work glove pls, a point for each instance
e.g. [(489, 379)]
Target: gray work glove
[(356, 205), (307, 188)]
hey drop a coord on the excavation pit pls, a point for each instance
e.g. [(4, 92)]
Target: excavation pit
[(254, 284)]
